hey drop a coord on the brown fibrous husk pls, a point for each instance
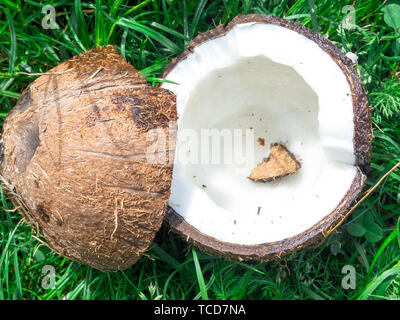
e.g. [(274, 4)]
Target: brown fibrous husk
[(75, 159)]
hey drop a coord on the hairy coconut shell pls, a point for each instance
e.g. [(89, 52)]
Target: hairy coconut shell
[(362, 148), (75, 158)]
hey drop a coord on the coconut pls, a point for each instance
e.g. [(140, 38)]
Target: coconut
[(273, 80), (89, 156), (75, 158)]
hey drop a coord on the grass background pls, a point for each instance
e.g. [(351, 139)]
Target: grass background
[(149, 34)]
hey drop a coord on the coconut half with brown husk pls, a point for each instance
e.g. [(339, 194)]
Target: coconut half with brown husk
[(77, 158), (264, 80)]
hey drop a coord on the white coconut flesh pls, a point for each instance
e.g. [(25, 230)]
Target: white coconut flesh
[(284, 88)]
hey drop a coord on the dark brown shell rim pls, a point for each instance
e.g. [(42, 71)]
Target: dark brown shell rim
[(362, 149)]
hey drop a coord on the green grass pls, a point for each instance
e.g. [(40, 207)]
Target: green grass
[(149, 34)]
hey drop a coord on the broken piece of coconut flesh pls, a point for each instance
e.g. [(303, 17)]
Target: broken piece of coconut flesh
[(280, 163), (284, 87)]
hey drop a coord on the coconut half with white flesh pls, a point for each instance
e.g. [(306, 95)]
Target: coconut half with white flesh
[(263, 78)]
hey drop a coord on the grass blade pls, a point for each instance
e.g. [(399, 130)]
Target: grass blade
[(100, 31), (393, 272), (13, 42), (199, 275), (137, 7), (9, 94), (196, 18), (80, 20), (382, 248), (136, 26), (170, 31)]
